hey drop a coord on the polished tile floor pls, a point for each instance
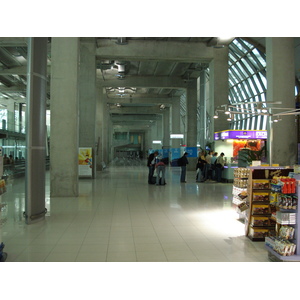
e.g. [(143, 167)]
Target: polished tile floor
[(118, 217)]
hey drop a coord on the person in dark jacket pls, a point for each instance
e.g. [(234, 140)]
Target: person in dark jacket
[(184, 162), (151, 165)]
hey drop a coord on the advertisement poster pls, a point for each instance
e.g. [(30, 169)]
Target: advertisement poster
[(253, 145), (166, 153), (175, 153), (85, 162), (192, 151)]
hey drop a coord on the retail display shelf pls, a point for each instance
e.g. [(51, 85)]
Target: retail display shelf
[(283, 258), (258, 218)]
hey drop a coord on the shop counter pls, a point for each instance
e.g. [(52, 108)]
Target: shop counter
[(227, 174)]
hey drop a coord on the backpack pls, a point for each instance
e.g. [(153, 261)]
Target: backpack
[(180, 161)]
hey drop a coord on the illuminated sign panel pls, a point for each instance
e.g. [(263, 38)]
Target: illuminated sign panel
[(241, 134)]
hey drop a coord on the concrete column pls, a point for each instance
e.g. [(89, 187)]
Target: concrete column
[(64, 117), (148, 144), (153, 134), (191, 103), (219, 86), (105, 131), (99, 137), (36, 130), (102, 129), (202, 122), (159, 133), (110, 140), (175, 111), (87, 96), (166, 125), (282, 148)]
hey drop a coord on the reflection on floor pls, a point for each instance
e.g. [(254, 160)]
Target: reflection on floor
[(118, 217)]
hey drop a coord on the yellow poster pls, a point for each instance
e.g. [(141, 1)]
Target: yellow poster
[(85, 161)]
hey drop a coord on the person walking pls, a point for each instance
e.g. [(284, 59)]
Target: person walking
[(220, 166), (160, 171), (184, 162), (151, 166), (201, 166)]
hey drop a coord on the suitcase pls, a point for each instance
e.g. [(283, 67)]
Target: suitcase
[(153, 180)]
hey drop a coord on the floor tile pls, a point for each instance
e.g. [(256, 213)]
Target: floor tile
[(61, 257), (118, 217), (123, 256), (151, 256), (91, 257), (180, 255)]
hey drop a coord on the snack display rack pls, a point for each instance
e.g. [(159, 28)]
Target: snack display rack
[(259, 223), (285, 245), (239, 191)]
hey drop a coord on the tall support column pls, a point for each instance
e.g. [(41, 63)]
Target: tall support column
[(202, 121), (166, 125), (36, 130), (105, 130), (99, 136), (87, 96), (191, 103), (176, 121), (160, 128), (148, 143), (282, 148), (219, 86), (64, 117)]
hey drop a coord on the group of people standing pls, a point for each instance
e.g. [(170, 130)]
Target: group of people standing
[(209, 167), (8, 160)]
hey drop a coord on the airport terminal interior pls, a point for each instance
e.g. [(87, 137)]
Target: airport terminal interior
[(124, 98), (119, 217)]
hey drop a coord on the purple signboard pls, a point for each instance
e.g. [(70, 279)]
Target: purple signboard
[(241, 134)]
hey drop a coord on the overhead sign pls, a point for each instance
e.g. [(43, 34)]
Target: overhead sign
[(241, 134)]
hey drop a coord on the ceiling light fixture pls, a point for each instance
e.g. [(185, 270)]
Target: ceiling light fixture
[(229, 118)]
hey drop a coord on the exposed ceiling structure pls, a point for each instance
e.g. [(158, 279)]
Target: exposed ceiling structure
[(134, 85)]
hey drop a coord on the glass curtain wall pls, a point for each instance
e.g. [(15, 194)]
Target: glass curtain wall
[(247, 84)]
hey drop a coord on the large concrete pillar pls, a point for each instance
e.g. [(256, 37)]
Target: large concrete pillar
[(87, 96), (99, 137), (202, 102), (191, 109), (166, 125), (36, 130), (175, 111), (282, 147), (103, 117), (64, 117), (159, 127), (219, 86)]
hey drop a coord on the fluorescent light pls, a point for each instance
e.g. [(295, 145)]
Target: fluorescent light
[(156, 142), (176, 136)]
